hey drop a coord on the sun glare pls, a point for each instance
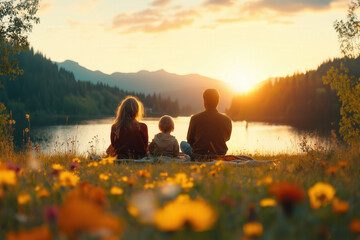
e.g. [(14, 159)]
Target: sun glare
[(242, 82)]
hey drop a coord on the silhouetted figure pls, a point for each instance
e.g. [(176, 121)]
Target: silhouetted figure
[(129, 137), (208, 131)]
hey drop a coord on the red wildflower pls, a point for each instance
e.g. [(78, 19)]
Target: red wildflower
[(287, 194)]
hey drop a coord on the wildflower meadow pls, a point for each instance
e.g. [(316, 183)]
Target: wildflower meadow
[(314, 195)]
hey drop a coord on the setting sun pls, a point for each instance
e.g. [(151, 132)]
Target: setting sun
[(242, 81)]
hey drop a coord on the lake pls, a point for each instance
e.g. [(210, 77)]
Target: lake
[(93, 136)]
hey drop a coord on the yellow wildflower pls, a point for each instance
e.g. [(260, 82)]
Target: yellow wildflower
[(116, 190), (76, 160), (57, 166), (8, 177), (219, 163), (132, 210), (144, 173), (268, 202), (202, 165), (27, 116), (267, 180), (103, 176), (43, 193), (253, 229), (163, 174), (213, 173), (23, 198), (68, 179), (149, 185), (174, 215), (109, 160), (321, 194), (124, 179), (27, 130)]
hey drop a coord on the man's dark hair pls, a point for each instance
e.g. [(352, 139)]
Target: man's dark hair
[(211, 98)]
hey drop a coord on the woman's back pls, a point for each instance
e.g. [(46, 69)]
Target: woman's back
[(131, 142)]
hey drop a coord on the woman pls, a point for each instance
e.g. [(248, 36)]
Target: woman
[(129, 137)]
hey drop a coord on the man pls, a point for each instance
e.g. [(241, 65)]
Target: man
[(208, 130)]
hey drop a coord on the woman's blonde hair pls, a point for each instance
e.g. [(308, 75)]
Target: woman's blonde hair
[(129, 111)]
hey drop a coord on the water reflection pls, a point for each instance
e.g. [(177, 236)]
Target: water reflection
[(94, 136)]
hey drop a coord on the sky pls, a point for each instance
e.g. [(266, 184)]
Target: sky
[(241, 42)]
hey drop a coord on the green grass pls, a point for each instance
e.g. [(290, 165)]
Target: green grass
[(242, 185)]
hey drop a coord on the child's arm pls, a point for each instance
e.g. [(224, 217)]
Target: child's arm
[(176, 148), (152, 147)]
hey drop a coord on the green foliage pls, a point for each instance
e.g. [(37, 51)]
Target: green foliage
[(5, 129), (348, 90), (16, 19), (340, 79), (349, 31)]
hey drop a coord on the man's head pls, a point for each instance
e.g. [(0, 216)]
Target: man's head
[(211, 98)]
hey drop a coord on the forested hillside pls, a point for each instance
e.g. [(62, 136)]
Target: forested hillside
[(187, 89), (301, 99), (47, 92)]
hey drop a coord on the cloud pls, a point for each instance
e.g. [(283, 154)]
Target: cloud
[(86, 5), (289, 6), (45, 6), (220, 2), (209, 14), (153, 20), (160, 3), (276, 11)]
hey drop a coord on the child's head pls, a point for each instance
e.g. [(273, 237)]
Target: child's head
[(130, 109), (166, 124)]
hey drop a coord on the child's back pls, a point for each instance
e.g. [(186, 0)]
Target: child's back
[(164, 143)]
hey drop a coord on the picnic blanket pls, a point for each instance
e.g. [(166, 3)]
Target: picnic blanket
[(234, 160)]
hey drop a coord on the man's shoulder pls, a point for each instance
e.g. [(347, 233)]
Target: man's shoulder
[(225, 117), (197, 115)]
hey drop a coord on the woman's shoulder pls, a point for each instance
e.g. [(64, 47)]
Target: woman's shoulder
[(142, 125)]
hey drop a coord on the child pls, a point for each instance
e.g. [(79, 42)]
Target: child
[(129, 137), (164, 143)]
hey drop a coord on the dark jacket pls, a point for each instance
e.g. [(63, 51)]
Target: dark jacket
[(208, 132), (132, 142)]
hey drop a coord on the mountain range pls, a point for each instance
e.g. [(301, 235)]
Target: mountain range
[(187, 89)]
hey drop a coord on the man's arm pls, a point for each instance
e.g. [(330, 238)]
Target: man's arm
[(228, 128), (191, 132)]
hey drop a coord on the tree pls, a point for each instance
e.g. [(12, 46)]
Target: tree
[(348, 87), (16, 21)]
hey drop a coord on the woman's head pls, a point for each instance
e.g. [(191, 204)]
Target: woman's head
[(129, 110)]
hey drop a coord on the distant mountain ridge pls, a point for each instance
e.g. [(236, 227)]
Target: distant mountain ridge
[(187, 89)]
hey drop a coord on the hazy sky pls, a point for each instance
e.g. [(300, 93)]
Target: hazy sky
[(238, 41)]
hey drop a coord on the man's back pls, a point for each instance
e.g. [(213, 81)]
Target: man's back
[(208, 132)]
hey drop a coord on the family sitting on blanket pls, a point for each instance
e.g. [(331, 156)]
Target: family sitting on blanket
[(206, 138)]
